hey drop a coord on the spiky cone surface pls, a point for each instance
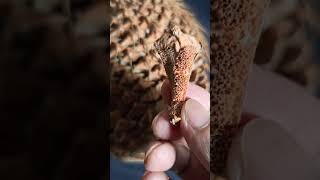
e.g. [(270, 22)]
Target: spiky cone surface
[(235, 31), (177, 52), (136, 75)]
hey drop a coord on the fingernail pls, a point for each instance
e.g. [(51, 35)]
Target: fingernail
[(195, 114), (150, 149), (145, 173)]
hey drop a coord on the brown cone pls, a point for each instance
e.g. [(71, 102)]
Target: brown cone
[(177, 51)]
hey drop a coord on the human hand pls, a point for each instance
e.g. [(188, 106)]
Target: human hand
[(266, 101), (185, 148), (282, 143)]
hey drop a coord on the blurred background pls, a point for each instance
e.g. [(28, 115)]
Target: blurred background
[(289, 42), (53, 89)]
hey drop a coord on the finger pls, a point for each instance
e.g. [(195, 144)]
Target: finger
[(199, 94), (196, 130), (187, 164), (152, 147), (194, 170), (193, 92), (182, 157), (182, 141), (162, 128), (160, 158), (155, 176), (280, 150)]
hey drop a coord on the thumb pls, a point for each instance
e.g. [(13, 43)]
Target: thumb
[(195, 129)]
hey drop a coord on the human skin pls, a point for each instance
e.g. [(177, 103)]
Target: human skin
[(275, 98), (183, 148), (289, 117), (266, 94), (175, 147)]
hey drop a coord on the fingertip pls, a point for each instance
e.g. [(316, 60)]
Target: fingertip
[(182, 157), (161, 158), (194, 114), (163, 115), (151, 147), (199, 94), (162, 128), (154, 176), (195, 128)]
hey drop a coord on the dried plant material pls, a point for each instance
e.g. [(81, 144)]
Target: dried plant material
[(235, 31), (177, 52)]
